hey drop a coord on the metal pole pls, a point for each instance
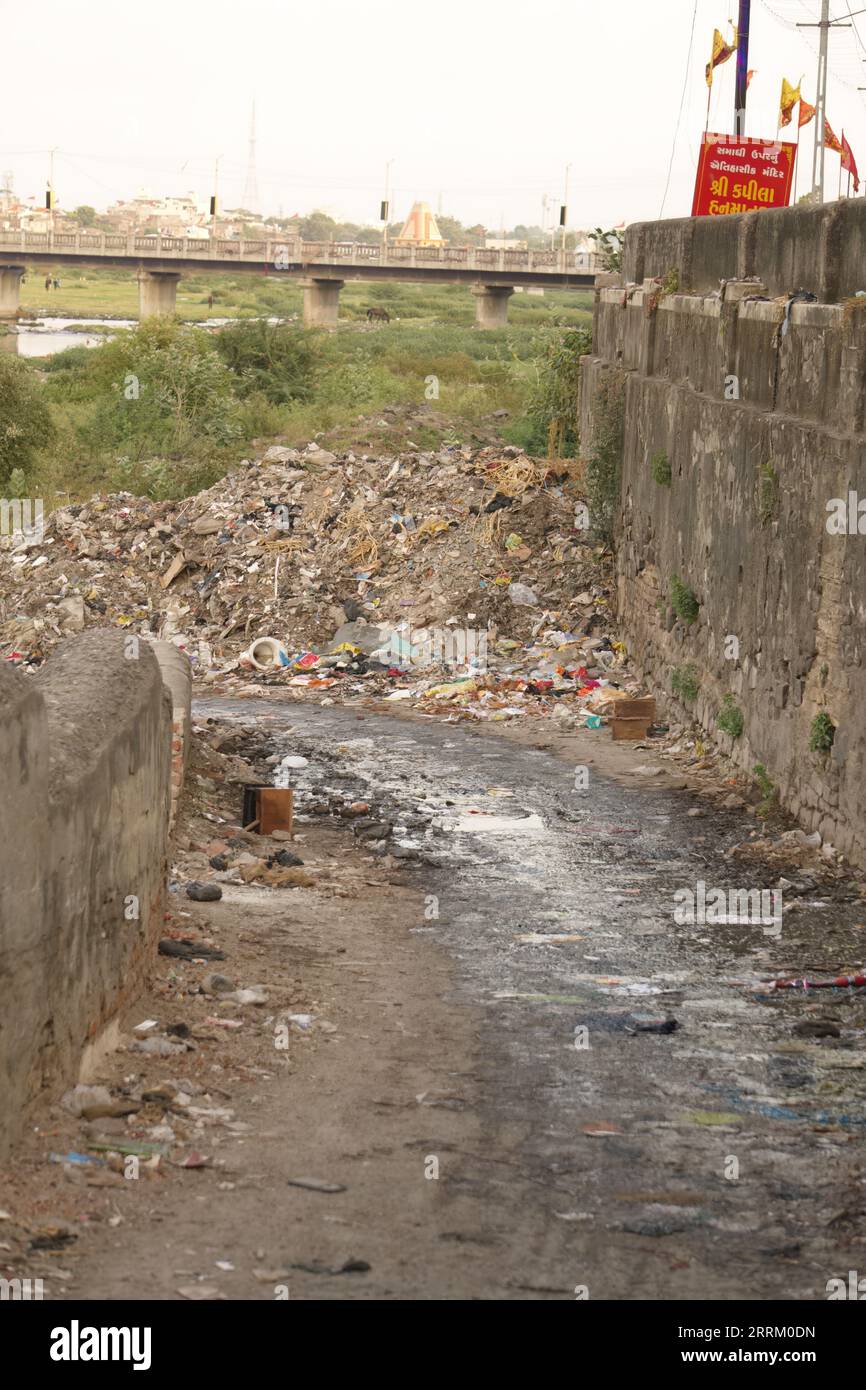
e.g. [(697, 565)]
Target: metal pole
[(821, 102), (216, 181), (565, 206), (387, 209), (742, 68)]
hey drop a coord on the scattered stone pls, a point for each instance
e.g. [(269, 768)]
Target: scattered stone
[(316, 1184)]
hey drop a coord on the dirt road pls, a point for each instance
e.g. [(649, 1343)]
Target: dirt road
[(482, 1080)]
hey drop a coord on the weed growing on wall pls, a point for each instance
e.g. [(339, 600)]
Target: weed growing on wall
[(730, 719), (686, 682), (822, 733), (683, 600), (660, 468), (767, 788), (604, 465), (768, 493)]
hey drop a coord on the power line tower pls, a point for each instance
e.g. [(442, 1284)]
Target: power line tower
[(251, 183)]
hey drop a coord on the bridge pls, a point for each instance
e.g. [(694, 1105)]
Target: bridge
[(321, 268)]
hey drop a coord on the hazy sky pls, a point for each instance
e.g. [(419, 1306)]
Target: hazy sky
[(483, 102)]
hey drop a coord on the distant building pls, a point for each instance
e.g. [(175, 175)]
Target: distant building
[(168, 216), (495, 243), (420, 228)]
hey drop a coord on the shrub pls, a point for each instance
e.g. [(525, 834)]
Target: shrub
[(552, 408), (683, 600), (685, 681), (273, 360), (660, 467), (168, 392), (730, 719), (822, 733), (25, 422)]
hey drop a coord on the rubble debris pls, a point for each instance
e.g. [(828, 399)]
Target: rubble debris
[(204, 892), (370, 576)]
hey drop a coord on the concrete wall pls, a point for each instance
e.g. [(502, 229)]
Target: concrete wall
[(86, 751), (821, 249), (744, 525)]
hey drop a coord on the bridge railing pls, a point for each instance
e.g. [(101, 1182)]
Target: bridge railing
[(294, 253)]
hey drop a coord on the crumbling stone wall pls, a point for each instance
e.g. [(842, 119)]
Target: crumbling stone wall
[(761, 431), (86, 751)]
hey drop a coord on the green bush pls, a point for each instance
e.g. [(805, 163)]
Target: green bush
[(554, 398), (822, 733), (683, 600), (168, 392), (25, 421), (270, 359), (685, 681), (730, 719), (660, 467)]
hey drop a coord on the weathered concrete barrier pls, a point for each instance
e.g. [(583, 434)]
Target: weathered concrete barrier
[(821, 249), (84, 822), (177, 678), (741, 552)]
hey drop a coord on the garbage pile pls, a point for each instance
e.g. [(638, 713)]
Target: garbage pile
[(464, 578)]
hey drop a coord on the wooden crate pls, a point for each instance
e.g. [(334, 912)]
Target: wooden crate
[(642, 708), (632, 729), (269, 808)]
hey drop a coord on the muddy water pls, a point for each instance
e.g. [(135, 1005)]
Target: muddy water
[(719, 1160)]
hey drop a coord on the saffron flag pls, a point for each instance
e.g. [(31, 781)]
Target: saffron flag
[(806, 114), (849, 163), (790, 97), (721, 52), (830, 140)]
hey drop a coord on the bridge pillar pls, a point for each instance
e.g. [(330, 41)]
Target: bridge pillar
[(10, 290), (491, 305), (321, 302), (157, 292)]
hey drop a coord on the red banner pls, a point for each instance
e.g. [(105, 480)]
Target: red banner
[(739, 175)]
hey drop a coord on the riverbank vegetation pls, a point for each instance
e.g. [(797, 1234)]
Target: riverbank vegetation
[(166, 408)]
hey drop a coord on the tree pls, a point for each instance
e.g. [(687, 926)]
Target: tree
[(85, 215), (318, 226), (609, 246)]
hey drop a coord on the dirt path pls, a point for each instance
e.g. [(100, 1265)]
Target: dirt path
[(477, 1014)]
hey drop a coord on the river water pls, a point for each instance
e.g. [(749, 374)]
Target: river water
[(43, 337)]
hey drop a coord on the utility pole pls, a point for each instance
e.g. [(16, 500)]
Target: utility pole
[(214, 202), (386, 209), (50, 198), (563, 221), (742, 69), (824, 24)]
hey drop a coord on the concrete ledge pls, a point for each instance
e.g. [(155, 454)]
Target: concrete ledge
[(177, 677), (821, 249), (84, 822)]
